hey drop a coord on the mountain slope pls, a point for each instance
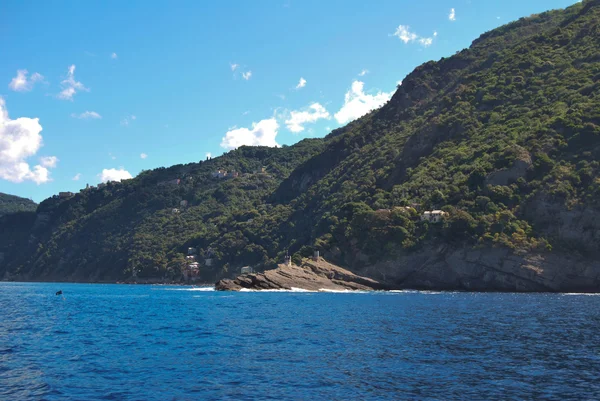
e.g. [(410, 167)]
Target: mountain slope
[(13, 204), (503, 136)]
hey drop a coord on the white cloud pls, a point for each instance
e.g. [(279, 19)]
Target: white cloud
[(86, 115), (246, 113), (49, 161), (404, 34), (77, 177), (19, 140), (357, 103), (363, 73), (127, 120), (21, 83), (234, 66), (314, 113), (208, 155), (301, 84), (246, 75), (70, 85), (114, 56), (426, 41), (143, 155), (452, 15), (114, 174), (262, 133)]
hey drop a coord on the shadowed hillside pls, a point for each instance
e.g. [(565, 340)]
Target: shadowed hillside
[(12, 204)]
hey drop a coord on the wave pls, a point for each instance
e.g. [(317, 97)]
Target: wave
[(587, 294), (302, 290)]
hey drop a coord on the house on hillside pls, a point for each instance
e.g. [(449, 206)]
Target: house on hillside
[(65, 195), (220, 174), (191, 271), (433, 216)]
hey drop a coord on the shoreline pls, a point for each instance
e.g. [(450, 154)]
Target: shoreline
[(323, 291)]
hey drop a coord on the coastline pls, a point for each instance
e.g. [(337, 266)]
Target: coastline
[(211, 287), (322, 276)]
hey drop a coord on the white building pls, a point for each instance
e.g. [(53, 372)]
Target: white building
[(192, 271), (219, 174), (434, 216), (246, 270)]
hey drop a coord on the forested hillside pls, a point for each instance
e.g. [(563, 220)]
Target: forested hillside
[(12, 204), (504, 137)]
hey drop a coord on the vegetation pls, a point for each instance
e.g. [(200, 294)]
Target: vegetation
[(13, 204), (497, 136)]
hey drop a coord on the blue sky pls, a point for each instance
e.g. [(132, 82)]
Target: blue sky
[(123, 86)]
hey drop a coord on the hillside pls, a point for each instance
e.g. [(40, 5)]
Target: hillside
[(504, 137), (12, 204)]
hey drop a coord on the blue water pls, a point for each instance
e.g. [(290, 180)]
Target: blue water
[(121, 342)]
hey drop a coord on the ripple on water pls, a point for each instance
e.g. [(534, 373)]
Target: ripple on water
[(168, 342)]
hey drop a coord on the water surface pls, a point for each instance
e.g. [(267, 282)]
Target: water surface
[(127, 342)]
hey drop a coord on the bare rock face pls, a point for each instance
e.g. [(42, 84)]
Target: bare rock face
[(577, 226), (310, 275), (519, 169), (489, 269)]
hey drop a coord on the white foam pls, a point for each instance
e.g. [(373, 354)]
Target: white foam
[(302, 290), (424, 292), (587, 294), (344, 291), (191, 289)]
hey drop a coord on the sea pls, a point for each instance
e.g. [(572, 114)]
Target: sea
[(159, 342)]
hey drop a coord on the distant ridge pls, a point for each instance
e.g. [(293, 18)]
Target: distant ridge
[(12, 204)]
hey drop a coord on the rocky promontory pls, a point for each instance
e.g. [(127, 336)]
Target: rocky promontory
[(309, 275)]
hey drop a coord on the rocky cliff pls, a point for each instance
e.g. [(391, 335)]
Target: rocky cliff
[(488, 269)]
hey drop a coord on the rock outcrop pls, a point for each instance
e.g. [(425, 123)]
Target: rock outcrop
[(489, 269), (310, 275)]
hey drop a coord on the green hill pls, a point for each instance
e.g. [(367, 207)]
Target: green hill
[(504, 137), (12, 204)]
